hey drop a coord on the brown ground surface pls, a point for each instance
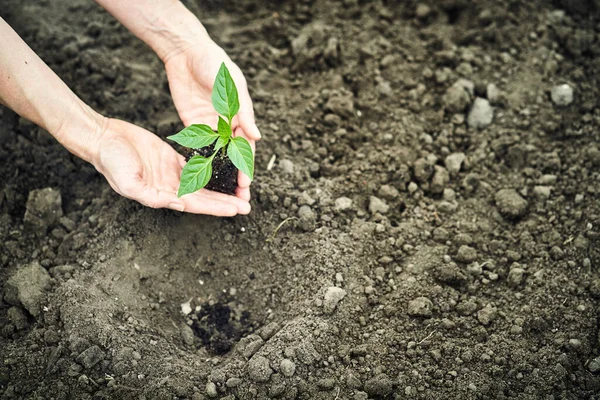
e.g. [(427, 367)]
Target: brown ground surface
[(456, 286)]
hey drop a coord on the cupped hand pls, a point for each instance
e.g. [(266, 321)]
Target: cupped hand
[(191, 74), (140, 166)]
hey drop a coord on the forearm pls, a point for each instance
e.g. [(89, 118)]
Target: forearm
[(31, 89), (167, 26)]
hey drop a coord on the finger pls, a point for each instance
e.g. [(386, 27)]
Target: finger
[(155, 198), (201, 205), (243, 180), (243, 193), (246, 116), (242, 205)]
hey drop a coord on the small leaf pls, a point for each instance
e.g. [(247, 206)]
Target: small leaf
[(195, 136), (224, 129), (240, 154), (195, 175), (220, 144), (225, 95)]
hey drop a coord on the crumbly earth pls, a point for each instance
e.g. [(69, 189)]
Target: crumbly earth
[(423, 169), (224, 175)]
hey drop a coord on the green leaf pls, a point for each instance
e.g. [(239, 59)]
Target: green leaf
[(225, 95), (195, 136), (220, 144), (195, 175), (240, 154), (224, 129)]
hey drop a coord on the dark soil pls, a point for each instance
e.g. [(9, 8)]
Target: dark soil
[(218, 328), (225, 174), (444, 185)]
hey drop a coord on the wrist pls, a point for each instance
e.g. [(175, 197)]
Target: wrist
[(82, 131), (174, 31)]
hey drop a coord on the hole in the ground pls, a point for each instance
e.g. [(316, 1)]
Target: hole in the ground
[(219, 327)]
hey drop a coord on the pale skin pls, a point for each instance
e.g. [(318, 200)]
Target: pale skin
[(136, 163)]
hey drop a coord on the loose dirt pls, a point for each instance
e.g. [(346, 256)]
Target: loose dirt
[(444, 179)]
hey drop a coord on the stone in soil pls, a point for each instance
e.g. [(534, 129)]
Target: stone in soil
[(423, 169), (333, 296), (510, 203), (287, 367), (487, 314), (307, 218), (44, 209), (211, 390), (388, 192), (90, 357), (259, 369), (450, 274), (594, 365), (380, 385), (17, 317), (466, 254), (481, 114), (454, 163), (492, 93), (515, 276), (562, 95), (440, 180), (27, 286), (420, 307), (341, 104), (343, 204), (376, 205), (458, 97)]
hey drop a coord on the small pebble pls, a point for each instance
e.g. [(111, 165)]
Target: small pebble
[(333, 295), (510, 203), (259, 369), (287, 367), (481, 114), (420, 307), (562, 95)]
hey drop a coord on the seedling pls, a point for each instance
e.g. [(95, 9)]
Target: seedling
[(197, 172)]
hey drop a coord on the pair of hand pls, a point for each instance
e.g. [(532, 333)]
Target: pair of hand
[(141, 166)]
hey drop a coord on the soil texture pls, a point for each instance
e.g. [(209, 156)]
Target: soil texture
[(437, 164), (225, 174)]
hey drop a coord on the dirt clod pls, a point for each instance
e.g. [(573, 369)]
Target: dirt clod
[(420, 307), (380, 385), (27, 287), (474, 275), (44, 209), (287, 367), (333, 295), (510, 203), (90, 357), (259, 369)]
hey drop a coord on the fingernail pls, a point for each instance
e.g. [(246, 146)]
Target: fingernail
[(176, 206)]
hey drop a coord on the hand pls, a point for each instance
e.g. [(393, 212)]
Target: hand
[(191, 74), (140, 166)]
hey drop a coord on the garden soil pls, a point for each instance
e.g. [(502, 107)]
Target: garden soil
[(429, 228)]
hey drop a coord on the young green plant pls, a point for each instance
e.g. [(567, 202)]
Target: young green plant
[(197, 172)]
